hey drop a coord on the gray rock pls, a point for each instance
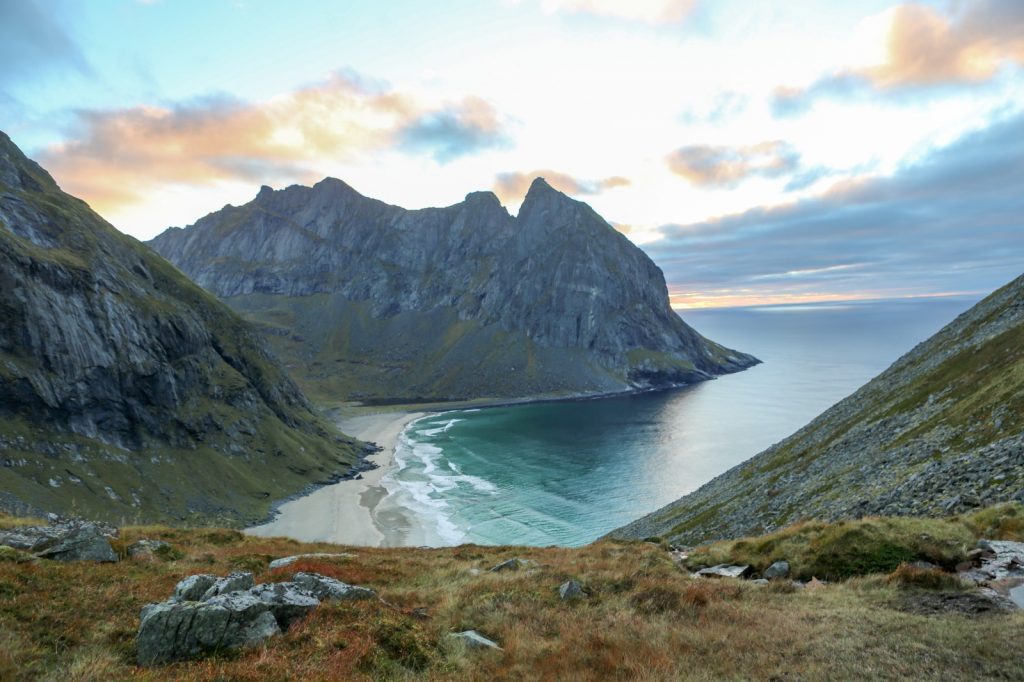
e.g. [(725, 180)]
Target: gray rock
[(146, 548), (193, 587), (474, 640), (780, 569), (570, 590), (513, 564), (329, 589), (235, 582), (287, 601), (67, 541), (288, 560), (175, 631), (724, 571), (1000, 559)]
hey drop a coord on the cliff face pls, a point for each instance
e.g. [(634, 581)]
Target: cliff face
[(368, 300), (939, 432), (125, 390)]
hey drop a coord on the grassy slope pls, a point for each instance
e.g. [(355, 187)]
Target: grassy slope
[(290, 447), (644, 619), (954, 394)]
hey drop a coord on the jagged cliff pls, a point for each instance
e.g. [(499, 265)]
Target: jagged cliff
[(126, 391), (939, 432), (371, 301)]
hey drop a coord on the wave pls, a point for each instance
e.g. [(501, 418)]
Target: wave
[(423, 481)]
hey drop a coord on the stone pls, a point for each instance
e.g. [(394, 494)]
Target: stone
[(329, 589), (779, 569), (287, 601), (176, 631), (146, 548), (474, 640), (193, 587), (724, 571), (288, 560), (513, 564), (234, 582), (66, 541), (571, 590)]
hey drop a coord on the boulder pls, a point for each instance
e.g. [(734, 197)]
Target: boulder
[(724, 571), (65, 541), (287, 601), (285, 561), (146, 549), (193, 587), (780, 569), (329, 589), (235, 582), (570, 590), (474, 640), (512, 565), (175, 631)]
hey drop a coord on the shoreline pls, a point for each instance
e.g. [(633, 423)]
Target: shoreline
[(347, 512)]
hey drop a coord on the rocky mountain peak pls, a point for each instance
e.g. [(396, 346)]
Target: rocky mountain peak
[(20, 172)]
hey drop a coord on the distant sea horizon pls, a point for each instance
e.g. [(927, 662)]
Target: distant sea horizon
[(565, 473)]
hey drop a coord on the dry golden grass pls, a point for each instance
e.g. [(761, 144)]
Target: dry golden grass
[(645, 619)]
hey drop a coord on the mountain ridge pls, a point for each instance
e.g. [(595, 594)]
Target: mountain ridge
[(125, 389), (551, 302)]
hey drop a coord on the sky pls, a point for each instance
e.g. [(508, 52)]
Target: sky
[(761, 152)]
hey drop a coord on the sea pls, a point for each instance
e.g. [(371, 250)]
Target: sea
[(566, 473)]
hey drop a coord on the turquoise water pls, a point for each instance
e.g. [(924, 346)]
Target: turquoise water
[(566, 473)]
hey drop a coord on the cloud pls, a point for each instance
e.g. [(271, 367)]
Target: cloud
[(33, 41), (512, 187), (455, 131), (115, 157), (954, 221), (646, 11), (927, 49), (727, 166)]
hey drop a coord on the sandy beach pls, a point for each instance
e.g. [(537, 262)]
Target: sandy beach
[(348, 512)]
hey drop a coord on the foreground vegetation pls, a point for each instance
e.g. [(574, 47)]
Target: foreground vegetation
[(645, 617)]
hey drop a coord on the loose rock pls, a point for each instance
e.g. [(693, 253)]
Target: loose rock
[(235, 582), (285, 561), (512, 565), (570, 590), (780, 569), (329, 589), (193, 587), (724, 571), (65, 541), (287, 601), (474, 640)]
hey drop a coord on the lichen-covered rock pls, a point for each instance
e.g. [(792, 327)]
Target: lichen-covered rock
[(287, 601), (467, 300), (193, 587), (472, 639), (175, 631), (571, 590), (65, 541), (234, 582), (329, 589), (513, 564)]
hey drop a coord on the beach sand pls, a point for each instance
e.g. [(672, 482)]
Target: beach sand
[(347, 512)]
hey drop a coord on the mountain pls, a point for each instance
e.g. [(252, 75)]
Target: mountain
[(371, 301), (126, 391), (939, 432)]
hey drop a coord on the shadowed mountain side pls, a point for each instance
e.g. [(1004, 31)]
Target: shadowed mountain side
[(371, 301), (126, 391)]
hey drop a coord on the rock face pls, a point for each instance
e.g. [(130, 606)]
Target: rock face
[(207, 613), (368, 300), (939, 432), (125, 389), (64, 541)]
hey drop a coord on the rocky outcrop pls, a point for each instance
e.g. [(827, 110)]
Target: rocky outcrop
[(231, 613), (368, 300), (71, 540), (939, 432), (125, 389)]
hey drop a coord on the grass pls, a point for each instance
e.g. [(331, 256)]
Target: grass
[(644, 619), (844, 549)]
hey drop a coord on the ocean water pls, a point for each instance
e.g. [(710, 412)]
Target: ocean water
[(566, 473)]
